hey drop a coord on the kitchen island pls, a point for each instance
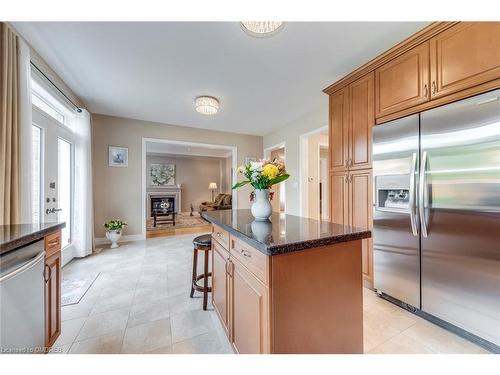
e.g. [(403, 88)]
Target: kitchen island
[(288, 285)]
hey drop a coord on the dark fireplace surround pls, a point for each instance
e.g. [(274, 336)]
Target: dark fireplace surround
[(158, 202)]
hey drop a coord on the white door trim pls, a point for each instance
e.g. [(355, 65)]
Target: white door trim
[(234, 155)]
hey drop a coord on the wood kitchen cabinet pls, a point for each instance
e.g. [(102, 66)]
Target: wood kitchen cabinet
[(351, 120), (339, 198), (403, 82), (250, 311), (465, 55), (339, 130), (361, 212), (220, 290), (52, 275), (361, 121)]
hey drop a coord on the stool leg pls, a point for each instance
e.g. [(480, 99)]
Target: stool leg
[(195, 262), (205, 281)]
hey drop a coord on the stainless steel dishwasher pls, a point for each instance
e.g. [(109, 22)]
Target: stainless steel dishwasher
[(22, 299)]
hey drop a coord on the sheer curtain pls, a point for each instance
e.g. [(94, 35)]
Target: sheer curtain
[(83, 203)]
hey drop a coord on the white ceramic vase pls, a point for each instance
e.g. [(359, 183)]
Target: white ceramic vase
[(114, 236), (261, 207), (261, 230)]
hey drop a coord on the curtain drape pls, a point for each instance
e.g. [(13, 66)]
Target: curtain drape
[(83, 204), (10, 202)]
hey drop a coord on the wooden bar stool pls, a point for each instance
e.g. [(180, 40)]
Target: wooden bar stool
[(201, 243)]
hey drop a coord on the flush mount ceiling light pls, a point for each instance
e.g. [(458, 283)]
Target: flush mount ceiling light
[(206, 105), (261, 29)]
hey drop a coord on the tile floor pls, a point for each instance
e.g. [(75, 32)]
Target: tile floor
[(140, 304)]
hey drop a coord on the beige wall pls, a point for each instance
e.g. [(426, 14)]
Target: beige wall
[(193, 173), (290, 134), (118, 190)]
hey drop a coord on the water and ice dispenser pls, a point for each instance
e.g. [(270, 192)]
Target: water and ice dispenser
[(392, 193)]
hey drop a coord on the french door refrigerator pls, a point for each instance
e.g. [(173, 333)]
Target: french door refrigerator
[(436, 217)]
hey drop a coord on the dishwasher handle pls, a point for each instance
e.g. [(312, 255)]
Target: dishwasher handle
[(24, 267)]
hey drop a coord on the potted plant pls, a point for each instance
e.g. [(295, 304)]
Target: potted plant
[(262, 175), (114, 231)]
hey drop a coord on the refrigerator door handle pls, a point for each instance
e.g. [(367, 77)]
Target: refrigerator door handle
[(421, 187), (413, 207)]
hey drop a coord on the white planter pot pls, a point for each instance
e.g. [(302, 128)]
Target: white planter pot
[(114, 236), (261, 207)]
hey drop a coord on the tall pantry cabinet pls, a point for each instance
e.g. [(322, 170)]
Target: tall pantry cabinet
[(352, 116)]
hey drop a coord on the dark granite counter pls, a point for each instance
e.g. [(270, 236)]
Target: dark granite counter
[(17, 235), (283, 233)]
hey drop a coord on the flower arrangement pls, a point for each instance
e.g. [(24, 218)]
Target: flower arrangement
[(115, 225), (262, 174)]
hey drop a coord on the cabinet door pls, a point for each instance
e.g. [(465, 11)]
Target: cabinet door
[(52, 298), (250, 310), (339, 130), (220, 283), (362, 119), (464, 56), (360, 201), (339, 198), (403, 82)]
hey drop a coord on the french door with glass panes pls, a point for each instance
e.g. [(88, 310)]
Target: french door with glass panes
[(53, 166)]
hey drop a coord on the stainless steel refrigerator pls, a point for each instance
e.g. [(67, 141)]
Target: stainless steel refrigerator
[(436, 217)]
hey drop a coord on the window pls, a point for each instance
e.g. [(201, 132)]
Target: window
[(44, 106), (36, 168)]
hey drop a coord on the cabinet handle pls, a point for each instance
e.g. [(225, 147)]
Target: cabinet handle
[(425, 91), (219, 234), (53, 242), (246, 253), (434, 88)]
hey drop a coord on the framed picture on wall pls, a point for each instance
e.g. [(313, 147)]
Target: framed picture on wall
[(117, 156), (162, 174)]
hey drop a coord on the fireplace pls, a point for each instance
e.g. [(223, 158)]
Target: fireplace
[(170, 199), (167, 203)]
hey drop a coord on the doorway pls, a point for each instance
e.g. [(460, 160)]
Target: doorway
[(278, 201), (314, 189)]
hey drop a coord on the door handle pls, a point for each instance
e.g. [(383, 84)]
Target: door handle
[(24, 267), (434, 88), (413, 208), (425, 91), (421, 188), (245, 253)]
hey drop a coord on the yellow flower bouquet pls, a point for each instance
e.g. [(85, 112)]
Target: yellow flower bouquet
[(262, 174)]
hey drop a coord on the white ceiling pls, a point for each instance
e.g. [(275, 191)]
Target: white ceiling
[(153, 71), (183, 149)]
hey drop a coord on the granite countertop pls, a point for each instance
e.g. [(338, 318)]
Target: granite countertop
[(283, 233), (17, 235)]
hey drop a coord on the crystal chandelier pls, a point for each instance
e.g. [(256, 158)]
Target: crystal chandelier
[(206, 105), (261, 28)]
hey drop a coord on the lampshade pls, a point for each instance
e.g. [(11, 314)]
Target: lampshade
[(212, 186)]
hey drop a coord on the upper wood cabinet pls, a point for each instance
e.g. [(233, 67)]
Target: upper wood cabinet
[(351, 120), (403, 82), (465, 55), (361, 119), (339, 129)]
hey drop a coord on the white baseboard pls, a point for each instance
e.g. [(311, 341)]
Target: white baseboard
[(128, 238)]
